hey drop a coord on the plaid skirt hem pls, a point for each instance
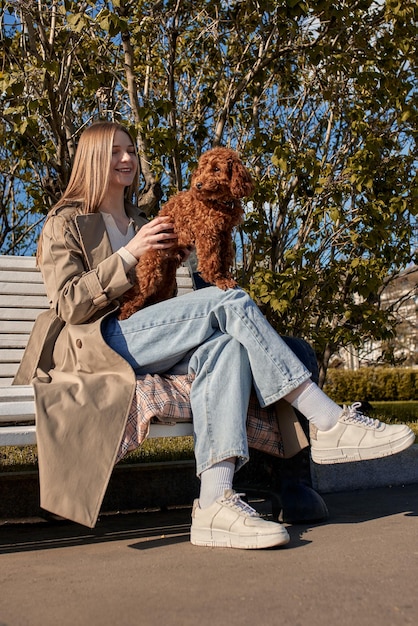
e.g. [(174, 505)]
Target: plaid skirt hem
[(166, 398)]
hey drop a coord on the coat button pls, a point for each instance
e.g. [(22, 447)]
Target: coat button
[(79, 343)]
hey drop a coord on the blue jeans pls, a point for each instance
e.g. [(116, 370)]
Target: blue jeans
[(223, 339)]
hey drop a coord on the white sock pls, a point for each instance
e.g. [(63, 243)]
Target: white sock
[(214, 481), (315, 405)]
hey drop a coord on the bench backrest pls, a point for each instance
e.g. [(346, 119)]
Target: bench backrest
[(22, 299)]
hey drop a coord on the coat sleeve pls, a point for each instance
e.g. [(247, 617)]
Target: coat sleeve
[(77, 292)]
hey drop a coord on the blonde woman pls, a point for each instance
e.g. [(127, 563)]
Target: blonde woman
[(83, 361)]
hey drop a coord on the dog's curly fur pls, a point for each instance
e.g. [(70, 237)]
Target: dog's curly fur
[(203, 216)]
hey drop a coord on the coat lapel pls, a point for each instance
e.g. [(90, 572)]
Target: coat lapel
[(93, 237)]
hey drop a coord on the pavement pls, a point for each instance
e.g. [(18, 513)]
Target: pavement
[(139, 569)]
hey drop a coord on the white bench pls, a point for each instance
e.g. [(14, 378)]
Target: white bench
[(22, 299)]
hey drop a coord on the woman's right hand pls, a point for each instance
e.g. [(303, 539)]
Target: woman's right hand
[(156, 235)]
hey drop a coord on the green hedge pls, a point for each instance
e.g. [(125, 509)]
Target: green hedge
[(372, 383)]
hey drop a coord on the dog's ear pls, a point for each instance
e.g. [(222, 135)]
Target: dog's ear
[(241, 182)]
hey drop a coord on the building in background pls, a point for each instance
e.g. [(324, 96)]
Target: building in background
[(401, 297)]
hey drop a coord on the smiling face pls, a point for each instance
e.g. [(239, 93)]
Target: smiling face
[(124, 161)]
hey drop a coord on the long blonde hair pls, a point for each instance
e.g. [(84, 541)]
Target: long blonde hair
[(91, 169), (90, 174)]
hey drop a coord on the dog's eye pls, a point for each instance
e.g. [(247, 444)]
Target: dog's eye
[(216, 169)]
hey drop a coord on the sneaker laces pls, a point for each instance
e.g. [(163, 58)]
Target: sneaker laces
[(233, 500), (353, 415)]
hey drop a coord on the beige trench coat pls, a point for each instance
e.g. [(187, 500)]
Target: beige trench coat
[(83, 389)]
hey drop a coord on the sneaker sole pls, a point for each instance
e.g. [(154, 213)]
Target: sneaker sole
[(224, 539), (350, 455)]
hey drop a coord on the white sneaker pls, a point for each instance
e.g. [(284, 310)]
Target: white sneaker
[(231, 523), (356, 437)]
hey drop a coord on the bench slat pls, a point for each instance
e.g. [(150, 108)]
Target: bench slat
[(20, 315), (8, 369), (5, 382), (26, 290), (26, 435), (19, 392), (17, 276), (184, 429), (17, 411), (16, 404), (19, 327), (11, 356), (18, 436), (9, 341), (25, 411), (27, 263)]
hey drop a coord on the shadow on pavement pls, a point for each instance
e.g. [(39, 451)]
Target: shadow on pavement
[(164, 526), (153, 529)]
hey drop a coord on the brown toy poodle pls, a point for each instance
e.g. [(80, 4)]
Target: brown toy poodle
[(204, 216)]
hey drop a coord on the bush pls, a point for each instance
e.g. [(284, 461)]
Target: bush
[(372, 383)]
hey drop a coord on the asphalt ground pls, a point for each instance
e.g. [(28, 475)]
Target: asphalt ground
[(360, 568)]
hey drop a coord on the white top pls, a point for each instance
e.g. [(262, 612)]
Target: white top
[(118, 240)]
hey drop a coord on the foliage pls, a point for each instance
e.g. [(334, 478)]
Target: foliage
[(319, 98), (372, 383)]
